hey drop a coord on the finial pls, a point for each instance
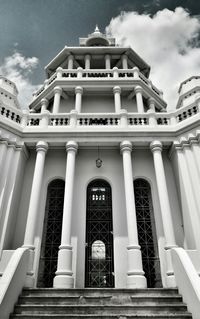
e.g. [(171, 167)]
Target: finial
[(97, 29)]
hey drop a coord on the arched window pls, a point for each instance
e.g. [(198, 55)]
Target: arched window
[(99, 265), (147, 232), (51, 233)]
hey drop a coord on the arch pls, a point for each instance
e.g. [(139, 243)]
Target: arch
[(147, 232), (51, 237), (99, 264)]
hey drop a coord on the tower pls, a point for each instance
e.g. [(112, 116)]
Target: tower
[(100, 183)]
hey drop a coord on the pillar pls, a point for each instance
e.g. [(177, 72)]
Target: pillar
[(3, 151), (192, 169), (44, 105), (64, 276), (7, 169), (70, 62), (117, 98), (9, 201), (57, 95), (188, 195), (107, 62), (87, 61), (41, 149), (135, 274), (124, 59), (156, 148), (152, 104), (139, 99), (78, 98)]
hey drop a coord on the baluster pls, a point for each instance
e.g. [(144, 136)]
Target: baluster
[(189, 112), (184, 115), (17, 119), (61, 121), (2, 110), (116, 121), (7, 113), (145, 121), (86, 121), (130, 121), (56, 121), (195, 110), (135, 121)]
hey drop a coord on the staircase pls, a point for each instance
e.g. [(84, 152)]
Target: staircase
[(100, 303)]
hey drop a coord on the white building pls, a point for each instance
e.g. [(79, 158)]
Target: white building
[(99, 184)]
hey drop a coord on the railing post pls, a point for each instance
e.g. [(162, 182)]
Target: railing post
[(136, 72), (24, 120), (152, 117), (73, 118), (44, 122), (123, 118), (115, 73), (59, 72), (79, 72)]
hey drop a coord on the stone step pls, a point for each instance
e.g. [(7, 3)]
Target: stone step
[(100, 309), (101, 292), (102, 300), (95, 316)]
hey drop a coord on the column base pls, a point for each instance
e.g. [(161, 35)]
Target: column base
[(63, 281), (64, 275), (135, 274), (136, 281)]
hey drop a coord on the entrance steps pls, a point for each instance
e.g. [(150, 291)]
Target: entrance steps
[(108, 303)]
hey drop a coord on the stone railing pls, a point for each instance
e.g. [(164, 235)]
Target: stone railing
[(10, 113), (114, 73), (122, 119)]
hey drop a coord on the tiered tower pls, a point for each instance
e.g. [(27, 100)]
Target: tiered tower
[(99, 184)]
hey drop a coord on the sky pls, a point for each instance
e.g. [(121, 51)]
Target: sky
[(165, 33)]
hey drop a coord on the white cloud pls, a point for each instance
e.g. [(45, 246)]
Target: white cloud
[(18, 69), (167, 41)]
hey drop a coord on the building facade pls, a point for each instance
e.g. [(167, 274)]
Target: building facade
[(98, 180)]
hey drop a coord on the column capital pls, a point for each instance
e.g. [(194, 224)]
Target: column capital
[(192, 139), (45, 101), (71, 146), (78, 89), (57, 89), (117, 89), (138, 89), (156, 146), (107, 56), (126, 146), (42, 146), (177, 146)]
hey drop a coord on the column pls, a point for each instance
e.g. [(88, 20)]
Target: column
[(117, 98), (64, 276), (44, 105), (87, 61), (57, 95), (193, 171), (9, 201), (107, 62), (152, 104), (135, 274), (3, 151), (191, 214), (70, 62), (41, 149), (7, 168), (139, 99), (78, 98), (156, 148), (196, 149), (124, 59)]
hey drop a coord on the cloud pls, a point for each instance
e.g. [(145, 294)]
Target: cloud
[(18, 69), (167, 41)]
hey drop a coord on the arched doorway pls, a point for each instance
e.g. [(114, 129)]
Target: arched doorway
[(147, 233), (99, 263), (51, 233)]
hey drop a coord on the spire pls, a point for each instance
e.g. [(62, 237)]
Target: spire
[(97, 29)]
